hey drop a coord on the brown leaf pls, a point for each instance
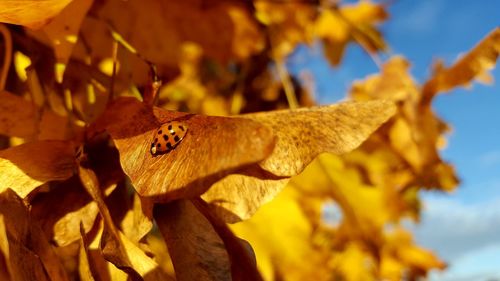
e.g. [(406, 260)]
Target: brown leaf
[(17, 116), (238, 196), (132, 213), (304, 133), (213, 147), (22, 118), (30, 255), (192, 240), (234, 17), (29, 165), (473, 65), (138, 220), (31, 13), (63, 31), (84, 265), (241, 254), (116, 247), (61, 222)]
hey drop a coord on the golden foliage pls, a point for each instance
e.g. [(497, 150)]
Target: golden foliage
[(80, 190)]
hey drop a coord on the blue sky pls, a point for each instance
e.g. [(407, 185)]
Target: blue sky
[(464, 227)]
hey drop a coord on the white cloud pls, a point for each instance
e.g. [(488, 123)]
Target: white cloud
[(490, 159), (467, 236), (482, 264)]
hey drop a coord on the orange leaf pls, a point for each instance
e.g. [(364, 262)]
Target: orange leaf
[(304, 133), (63, 32), (29, 254), (27, 166), (31, 13), (116, 247), (191, 240), (213, 147), (22, 118), (473, 65)]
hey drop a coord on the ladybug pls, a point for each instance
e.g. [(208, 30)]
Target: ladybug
[(167, 137)]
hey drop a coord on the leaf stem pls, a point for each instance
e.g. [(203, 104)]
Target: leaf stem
[(7, 55), (287, 84)]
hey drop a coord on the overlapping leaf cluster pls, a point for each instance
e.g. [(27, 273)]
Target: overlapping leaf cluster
[(81, 194)]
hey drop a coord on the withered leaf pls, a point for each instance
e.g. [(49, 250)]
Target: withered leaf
[(61, 221), (84, 265), (22, 118), (17, 116), (241, 254), (132, 213), (213, 147), (31, 13), (29, 165), (238, 196), (197, 251), (241, 38), (301, 136), (63, 32), (304, 133), (116, 247), (474, 64), (357, 22), (29, 254)]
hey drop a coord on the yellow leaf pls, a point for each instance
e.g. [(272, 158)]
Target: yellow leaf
[(279, 233), (471, 66)]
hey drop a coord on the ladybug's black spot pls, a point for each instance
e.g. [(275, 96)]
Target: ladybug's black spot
[(165, 137), (169, 127), (152, 144), (159, 132), (181, 127), (169, 146), (172, 133), (176, 138), (158, 145)]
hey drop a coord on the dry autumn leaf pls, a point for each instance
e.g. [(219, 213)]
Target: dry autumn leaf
[(27, 166), (116, 247), (22, 118), (26, 260), (471, 66), (62, 32), (301, 136), (196, 162), (31, 13), (355, 22), (191, 239)]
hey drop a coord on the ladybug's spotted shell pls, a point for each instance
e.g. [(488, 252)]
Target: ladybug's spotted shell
[(168, 136)]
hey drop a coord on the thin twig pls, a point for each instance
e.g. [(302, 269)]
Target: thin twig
[(284, 76), (7, 55), (287, 84), (113, 74)]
